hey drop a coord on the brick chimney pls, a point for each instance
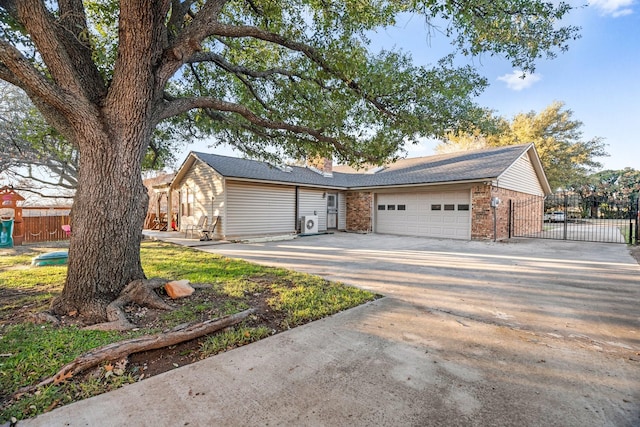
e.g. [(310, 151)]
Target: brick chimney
[(323, 164)]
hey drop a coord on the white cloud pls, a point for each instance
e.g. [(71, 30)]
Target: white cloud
[(518, 81), (614, 8)]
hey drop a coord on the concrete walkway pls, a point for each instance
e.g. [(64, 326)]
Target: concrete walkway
[(524, 333)]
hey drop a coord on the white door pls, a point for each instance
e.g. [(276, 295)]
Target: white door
[(332, 211), (445, 214)]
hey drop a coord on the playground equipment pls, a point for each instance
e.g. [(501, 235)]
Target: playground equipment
[(11, 229), (52, 258), (6, 233)]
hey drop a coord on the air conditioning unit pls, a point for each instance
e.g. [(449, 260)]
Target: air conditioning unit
[(309, 224)]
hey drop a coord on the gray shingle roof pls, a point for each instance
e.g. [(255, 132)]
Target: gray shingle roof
[(445, 168), (233, 167)]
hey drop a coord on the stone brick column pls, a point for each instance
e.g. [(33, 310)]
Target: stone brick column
[(482, 212), (359, 211)]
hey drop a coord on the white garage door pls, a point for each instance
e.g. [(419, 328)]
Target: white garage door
[(445, 214)]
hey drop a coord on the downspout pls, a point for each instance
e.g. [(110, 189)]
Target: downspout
[(495, 201), (297, 210), (179, 219), (169, 210)]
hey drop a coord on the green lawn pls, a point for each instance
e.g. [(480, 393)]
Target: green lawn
[(30, 352)]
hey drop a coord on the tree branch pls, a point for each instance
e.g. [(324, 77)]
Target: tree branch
[(310, 52), (182, 105), (43, 30), (69, 185), (73, 33), (8, 76), (243, 80), (25, 76), (188, 37), (239, 69), (120, 349), (33, 190)]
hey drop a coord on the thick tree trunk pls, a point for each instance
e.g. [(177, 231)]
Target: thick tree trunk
[(112, 128), (107, 218)]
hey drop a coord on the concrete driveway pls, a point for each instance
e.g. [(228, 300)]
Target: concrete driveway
[(524, 333)]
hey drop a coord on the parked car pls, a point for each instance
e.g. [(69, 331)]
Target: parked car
[(557, 216)]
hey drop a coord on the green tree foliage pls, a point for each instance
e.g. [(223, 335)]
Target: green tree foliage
[(608, 185), (296, 77), (567, 157), (285, 79)]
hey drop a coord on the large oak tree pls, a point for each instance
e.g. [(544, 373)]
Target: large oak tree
[(272, 78)]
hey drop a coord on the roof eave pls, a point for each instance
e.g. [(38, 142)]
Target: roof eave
[(290, 183), (537, 165), (487, 181)]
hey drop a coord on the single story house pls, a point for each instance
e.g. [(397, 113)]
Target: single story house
[(446, 196)]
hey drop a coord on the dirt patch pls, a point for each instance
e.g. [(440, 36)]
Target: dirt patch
[(35, 248), (155, 362)]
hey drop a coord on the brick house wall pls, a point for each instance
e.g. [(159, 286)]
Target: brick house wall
[(482, 212), (359, 211)]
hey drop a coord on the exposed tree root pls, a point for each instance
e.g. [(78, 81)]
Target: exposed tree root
[(141, 292), (44, 317), (121, 349)]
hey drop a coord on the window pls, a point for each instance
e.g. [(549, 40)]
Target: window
[(463, 207), (391, 207), (381, 207), (331, 201), (402, 207), (436, 207), (449, 207)]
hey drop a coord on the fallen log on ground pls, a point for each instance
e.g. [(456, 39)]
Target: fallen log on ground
[(120, 349)]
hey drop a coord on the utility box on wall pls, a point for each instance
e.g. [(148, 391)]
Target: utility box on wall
[(11, 212)]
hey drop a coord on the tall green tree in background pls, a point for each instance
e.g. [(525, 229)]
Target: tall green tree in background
[(619, 189), (290, 78), (567, 157)]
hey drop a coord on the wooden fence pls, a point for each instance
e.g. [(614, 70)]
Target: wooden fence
[(44, 225)]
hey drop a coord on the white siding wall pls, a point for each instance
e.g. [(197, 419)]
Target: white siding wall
[(205, 189), (521, 176), (255, 209), (342, 211), (311, 201)]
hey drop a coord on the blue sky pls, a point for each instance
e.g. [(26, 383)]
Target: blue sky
[(598, 78)]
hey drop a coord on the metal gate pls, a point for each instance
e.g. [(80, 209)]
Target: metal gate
[(572, 217)]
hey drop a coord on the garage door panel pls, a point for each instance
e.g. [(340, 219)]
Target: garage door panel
[(420, 219)]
